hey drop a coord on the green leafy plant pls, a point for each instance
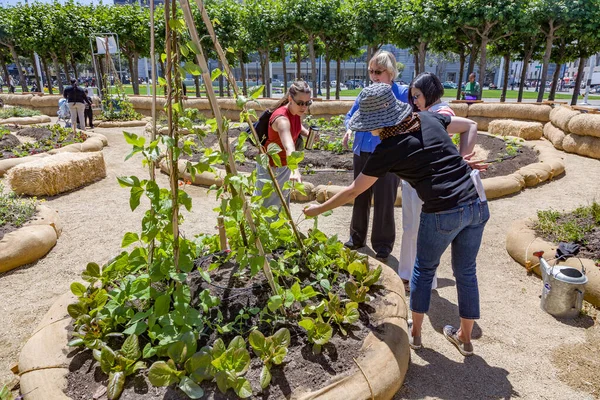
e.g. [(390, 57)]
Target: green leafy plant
[(119, 364), (15, 210), (319, 332), (363, 278), (5, 393), (9, 112), (272, 350)]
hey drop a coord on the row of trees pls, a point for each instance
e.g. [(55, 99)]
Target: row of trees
[(552, 31)]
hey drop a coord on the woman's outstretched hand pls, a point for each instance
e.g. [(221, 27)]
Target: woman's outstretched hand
[(480, 165), (311, 210)]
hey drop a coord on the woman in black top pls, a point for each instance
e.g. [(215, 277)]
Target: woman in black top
[(417, 148)]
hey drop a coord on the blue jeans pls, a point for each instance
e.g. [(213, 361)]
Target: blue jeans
[(461, 227)]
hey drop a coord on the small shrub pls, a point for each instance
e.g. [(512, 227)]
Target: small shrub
[(15, 210), (569, 227), (17, 112)]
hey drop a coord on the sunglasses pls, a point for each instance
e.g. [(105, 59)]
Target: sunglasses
[(376, 72), (303, 103)]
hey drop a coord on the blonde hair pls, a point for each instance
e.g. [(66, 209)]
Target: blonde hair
[(298, 86), (386, 60)]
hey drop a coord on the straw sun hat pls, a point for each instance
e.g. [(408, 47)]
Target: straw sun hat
[(378, 108)]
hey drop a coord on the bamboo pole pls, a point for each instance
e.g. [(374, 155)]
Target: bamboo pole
[(223, 142), (232, 82)]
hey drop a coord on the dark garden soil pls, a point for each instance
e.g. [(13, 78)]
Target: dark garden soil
[(321, 167), (590, 245), (21, 142), (301, 368)]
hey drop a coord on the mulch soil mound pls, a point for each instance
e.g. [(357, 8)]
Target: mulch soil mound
[(321, 167), (590, 245), (42, 135), (301, 368)]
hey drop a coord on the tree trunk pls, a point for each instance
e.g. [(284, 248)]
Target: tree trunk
[(135, 80), (338, 71), (422, 52), (283, 64), (313, 63), (220, 79), (328, 76), (298, 62), (161, 66), (243, 70), (547, 53), (262, 57), (482, 62), (15, 57), (36, 73), (130, 64), (268, 76), (57, 72), (505, 79), (582, 62), (197, 84), (524, 71), (66, 67), (472, 59), (74, 66), (463, 57), (417, 64), (47, 72), (555, 78), (4, 70)]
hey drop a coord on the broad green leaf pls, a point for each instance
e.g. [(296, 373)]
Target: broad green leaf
[(275, 302), (76, 310), (129, 238), (161, 374), (135, 196), (241, 361), (215, 74), (257, 341), (116, 382), (357, 268), (134, 139), (149, 351), (325, 284), (162, 305), (218, 348), (323, 332), (265, 377), (279, 355), (282, 337), (296, 291), (191, 344), (289, 299), (352, 313), (257, 91), (136, 329), (199, 360), (242, 388), (190, 388), (294, 159), (107, 359), (78, 289), (176, 352), (91, 273), (307, 323), (131, 348), (76, 342), (221, 378), (237, 343)]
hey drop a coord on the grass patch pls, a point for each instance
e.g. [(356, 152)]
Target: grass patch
[(569, 227), (10, 112), (15, 210)]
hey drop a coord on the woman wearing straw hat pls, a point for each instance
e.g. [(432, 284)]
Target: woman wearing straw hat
[(417, 148)]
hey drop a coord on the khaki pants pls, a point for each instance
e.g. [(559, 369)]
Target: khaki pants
[(77, 109)]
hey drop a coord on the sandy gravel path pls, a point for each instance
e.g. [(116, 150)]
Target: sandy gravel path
[(517, 340)]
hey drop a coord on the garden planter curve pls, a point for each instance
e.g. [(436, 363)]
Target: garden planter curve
[(31, 242), (44, 359), (522, 242), (38, 119)]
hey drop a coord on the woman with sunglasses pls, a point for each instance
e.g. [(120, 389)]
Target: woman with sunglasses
[(382, 69), (426, 92), (417, 148), (285, 126)]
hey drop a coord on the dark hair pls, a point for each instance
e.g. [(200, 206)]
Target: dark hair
[(431, 87), (298, 86), (73, 81)]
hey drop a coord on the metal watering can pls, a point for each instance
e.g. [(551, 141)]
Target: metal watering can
[(564, 287)]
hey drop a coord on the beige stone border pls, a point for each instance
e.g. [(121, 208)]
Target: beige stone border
[(208, 179), (38, 119), (44, 361), (551, 164), (94, 142), (30, 242), (574, 132), (522, 242), (120, 124)]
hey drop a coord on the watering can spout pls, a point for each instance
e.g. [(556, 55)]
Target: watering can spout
[(544, 266)]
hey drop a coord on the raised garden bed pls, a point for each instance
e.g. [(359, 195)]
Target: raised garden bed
[(347, 366), (514, 163), (544, 232), (16, 142)]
